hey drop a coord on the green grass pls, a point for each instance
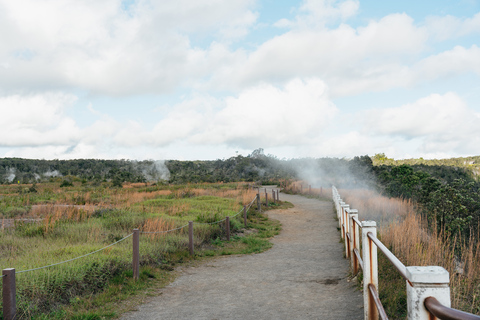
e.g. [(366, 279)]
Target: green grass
[(100, 286)]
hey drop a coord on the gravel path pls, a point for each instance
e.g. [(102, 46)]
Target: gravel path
[(302, 277)]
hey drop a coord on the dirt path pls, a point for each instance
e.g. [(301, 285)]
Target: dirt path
[(302, 277)]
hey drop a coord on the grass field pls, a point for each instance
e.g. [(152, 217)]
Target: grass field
[(79, 219)]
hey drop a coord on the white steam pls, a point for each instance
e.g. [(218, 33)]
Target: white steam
[(154, 170)]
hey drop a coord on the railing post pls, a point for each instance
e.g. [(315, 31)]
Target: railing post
[(259, 205), (355, 240), (346, 224), (351, 226), (370, 269), (278, 195), (427, 282), (266, 199), (9, 291), (190, 237), (136, 254), (273, 196), (227, 227), (343, 207), (245, 216), (339, 215)]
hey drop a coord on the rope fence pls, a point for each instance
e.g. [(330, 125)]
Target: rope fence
[(8, 274)]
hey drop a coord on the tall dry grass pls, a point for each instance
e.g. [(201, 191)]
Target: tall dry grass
[(407, 235)]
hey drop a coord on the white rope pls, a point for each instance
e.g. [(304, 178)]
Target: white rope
[(150, 232), (56, 264)]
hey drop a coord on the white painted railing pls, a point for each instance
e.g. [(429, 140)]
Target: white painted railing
[(428, 291)]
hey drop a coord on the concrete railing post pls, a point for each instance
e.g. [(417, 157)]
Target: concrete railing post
[(343, 224), (245, 216), (190, 237), (227, 227), (427, 282), (9, 291), (136, 254), (339, 214), (355, 240), (370, 269)]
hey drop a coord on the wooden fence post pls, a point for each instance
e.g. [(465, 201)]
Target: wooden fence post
[(259, 205), (266, 199), (278, 195), (370, 269), (227, 227), (190, 237), (245, 216), (273, 196), (9, 291), (136, 254)]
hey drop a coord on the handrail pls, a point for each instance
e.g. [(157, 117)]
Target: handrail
[(390, 256), (381, 311), (445, 313), (360, 260), (368, 259), (357, 221)]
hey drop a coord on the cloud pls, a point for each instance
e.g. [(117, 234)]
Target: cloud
[(266, 115), (37, 119), (318, 13), (363, 58), (103, 47), (294, 114), (443, 124)]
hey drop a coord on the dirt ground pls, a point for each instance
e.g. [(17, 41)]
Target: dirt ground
[(304, 276)]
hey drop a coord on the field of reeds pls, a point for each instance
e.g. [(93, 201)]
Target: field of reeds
[(45, 224), (404, 232)]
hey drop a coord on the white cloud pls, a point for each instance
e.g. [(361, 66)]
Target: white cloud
[(295, 114), (100, 47), (443, 123), (363, 58), (318, 13), (37, 119), (265, 115)]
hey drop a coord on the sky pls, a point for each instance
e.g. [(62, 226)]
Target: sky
[(212, 79)]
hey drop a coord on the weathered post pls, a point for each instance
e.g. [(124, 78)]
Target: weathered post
[(273, 196), (245, 216), (355, 243), (278, 195), (259, 205), (347, 233), (9, 291), (427, 282), (136, 254), (190, 237), (266, 199), (227, 226), (343, 207), (370, 269)]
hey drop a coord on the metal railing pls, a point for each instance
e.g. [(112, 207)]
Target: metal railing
[(428, 291)]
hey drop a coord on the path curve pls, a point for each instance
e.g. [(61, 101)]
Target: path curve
[(304, 276)]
